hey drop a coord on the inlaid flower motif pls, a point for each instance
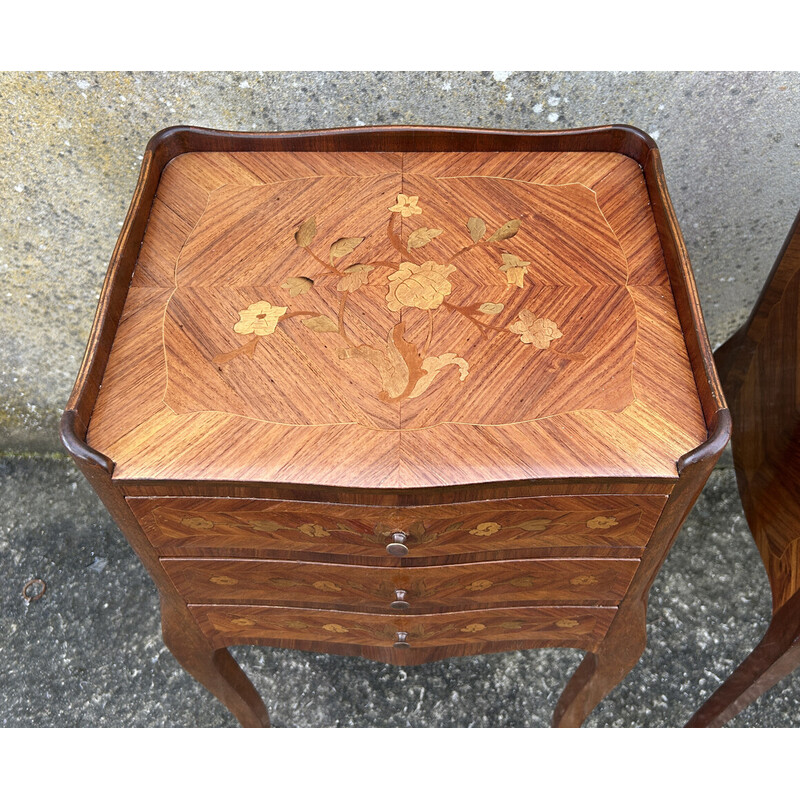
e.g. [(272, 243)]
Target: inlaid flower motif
[(478, 586), (334, 628), (260, 318), (536, 331), (197, 523), (243, 622), (406, 206), (602, 522), (314, 531), (583, 580), (473, 627), (419, 285), (327, 586), (567, 623), (485, 529)]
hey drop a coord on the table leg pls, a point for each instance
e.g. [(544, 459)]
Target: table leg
[(601, 671), (773, 658), (215, 668)]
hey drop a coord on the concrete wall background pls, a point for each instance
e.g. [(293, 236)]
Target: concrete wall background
[(71, 146)]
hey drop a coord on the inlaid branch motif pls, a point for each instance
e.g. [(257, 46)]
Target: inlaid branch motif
[(402, 368)]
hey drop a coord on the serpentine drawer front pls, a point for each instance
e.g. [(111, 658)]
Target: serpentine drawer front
[(489, 529), (400, 393), (599, 581)]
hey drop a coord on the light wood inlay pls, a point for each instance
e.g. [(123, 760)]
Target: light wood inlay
[(572, 626), (380, 306), (590, 525), (428, 589), (399, 393)]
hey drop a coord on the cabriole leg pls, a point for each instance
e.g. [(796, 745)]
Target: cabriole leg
[(216, 669)]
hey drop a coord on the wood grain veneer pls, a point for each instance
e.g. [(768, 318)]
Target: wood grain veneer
[(203, 415), (596, 581), (760, 369), (484, 530), (489, 342), (430, 636)]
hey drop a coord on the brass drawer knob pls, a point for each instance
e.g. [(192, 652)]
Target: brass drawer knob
[(401, 639), (397, 547), (400, 603)]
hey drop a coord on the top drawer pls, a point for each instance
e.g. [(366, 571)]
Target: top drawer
[(593, 525)]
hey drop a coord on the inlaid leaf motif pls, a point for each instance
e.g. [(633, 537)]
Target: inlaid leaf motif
[(334, 628), (297, 286), (343, 247), (421, 534), (523, 583), (321, 324), (394, 377), (264, 526), (295, 625), (397, 366), (433, 365), (567, 623), (490, 308), (583, 580), (515, 269), (511, 625), (506, 231), (477, 228), (478, 586), (535, 525), (327, 586), (422, 236), (473, 627), (306, 233), (354, 278), (283, 583), (314, 531), (197, 523), (242, 622), (223, 580)]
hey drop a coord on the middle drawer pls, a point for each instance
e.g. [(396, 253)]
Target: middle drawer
[(548, 581)]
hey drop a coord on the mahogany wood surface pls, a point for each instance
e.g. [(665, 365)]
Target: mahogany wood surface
[(403, 375), (596, 525), (597, 581), (488, 343), (430, 636), (760, 369)]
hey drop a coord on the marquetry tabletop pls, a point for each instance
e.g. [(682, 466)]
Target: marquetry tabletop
[(399, 319)]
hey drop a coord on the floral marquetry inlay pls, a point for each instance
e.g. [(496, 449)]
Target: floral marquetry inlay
[(371, 299)]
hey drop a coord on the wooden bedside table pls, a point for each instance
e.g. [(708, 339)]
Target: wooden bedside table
[(401, 393)]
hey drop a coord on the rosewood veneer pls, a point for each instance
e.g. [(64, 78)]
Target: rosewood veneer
[(759, 369), (402, 393)]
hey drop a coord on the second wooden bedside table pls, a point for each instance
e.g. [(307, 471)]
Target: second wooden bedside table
[(400, 393)]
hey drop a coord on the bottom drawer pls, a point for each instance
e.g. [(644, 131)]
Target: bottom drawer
[(516, 628)]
